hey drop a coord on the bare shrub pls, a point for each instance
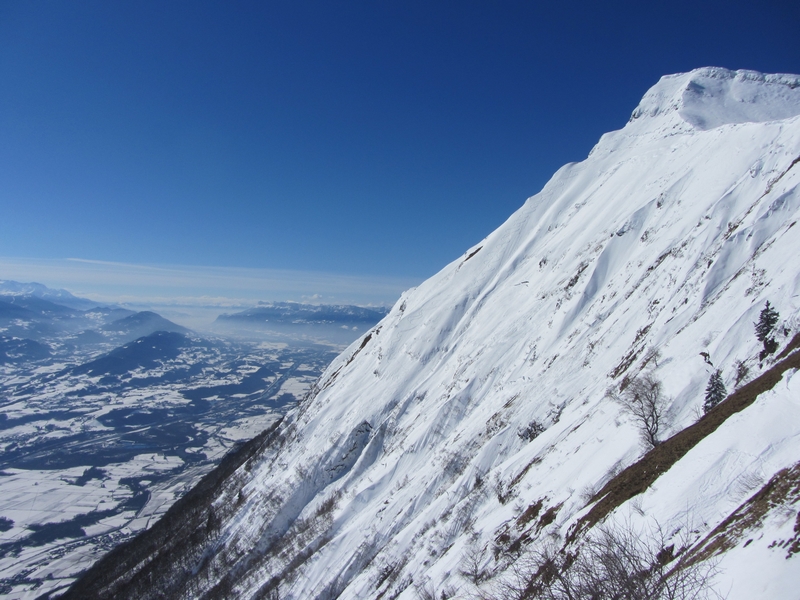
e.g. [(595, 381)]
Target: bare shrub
[(386, 572), (447, 592), (501, 489), (327, 506), (533, 430), (479, 480), (742, 372), (473, 565), (614, 564), (427, 591), (653, 355), (643, 399), (636, 505), (587, 493)]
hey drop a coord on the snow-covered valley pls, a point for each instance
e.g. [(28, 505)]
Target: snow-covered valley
[(479, 422), (107, 417)]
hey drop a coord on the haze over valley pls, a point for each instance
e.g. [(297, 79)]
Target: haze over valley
[(108, 415)]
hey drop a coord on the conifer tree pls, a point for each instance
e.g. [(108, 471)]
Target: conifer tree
[(715, 391), (766, 323)]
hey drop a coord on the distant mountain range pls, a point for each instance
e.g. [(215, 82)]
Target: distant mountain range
[(37, 290), (340, 324), (35, 320), (318, 314), (143, 323)]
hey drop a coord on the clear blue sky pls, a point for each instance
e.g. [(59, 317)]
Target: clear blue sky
[(369, 138)]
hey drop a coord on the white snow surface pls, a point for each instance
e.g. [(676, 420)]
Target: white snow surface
[(670, 236)]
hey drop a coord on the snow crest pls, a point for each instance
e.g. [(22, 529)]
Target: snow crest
[(710, 97)]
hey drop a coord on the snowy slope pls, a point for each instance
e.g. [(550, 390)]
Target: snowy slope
[(410, 451)]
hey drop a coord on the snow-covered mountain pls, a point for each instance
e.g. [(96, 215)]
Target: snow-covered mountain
[(476, 425), (37, 290)]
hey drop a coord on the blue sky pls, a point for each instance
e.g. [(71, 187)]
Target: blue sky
[(366, 139)]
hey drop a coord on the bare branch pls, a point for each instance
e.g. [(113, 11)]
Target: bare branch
[(642, 398)]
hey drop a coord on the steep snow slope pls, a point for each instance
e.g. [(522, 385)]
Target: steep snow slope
[(411, 451)]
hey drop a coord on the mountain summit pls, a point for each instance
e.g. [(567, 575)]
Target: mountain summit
[(710, 97), (491, 418)]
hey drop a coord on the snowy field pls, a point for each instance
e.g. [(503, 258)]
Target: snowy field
[(91, 456)]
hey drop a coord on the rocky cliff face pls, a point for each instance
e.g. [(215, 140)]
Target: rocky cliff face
[(480, 422)]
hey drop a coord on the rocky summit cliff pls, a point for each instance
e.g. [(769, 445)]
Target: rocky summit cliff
[(488, 424)]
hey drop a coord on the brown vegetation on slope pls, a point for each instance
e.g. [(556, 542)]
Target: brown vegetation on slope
[(639, 476), (782, 490)]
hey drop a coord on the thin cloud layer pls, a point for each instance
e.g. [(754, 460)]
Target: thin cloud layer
[(193, 286)]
